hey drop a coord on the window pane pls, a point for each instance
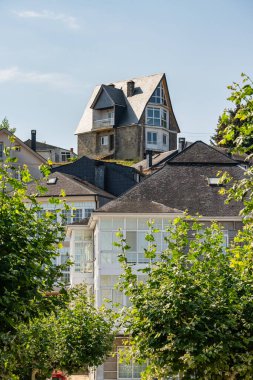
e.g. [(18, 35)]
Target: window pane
[(131, 224), (118, 223), (142, 243), (106, 224), (131, 239), (106, 241), (77, 215)]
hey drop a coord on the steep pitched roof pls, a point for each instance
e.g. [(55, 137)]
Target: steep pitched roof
[(183, 185), (115, 95), (72, 186), (24, 145), (200, 152), (144, 88), (118, 178), (42, 146)]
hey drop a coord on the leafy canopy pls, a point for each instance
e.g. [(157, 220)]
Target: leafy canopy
[(28, 246), (72, 338)]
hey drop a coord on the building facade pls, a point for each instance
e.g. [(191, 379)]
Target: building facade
[(124, 120)]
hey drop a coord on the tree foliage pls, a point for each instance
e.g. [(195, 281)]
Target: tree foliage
[(71, 339), (28, 246), (193, 314), (235, 126), (6, 125)]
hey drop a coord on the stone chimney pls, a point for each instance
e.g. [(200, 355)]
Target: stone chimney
[(33, 139), (130, 88), (181, 143)]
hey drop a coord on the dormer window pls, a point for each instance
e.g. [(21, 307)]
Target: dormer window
[(157, 117), (158, 96)]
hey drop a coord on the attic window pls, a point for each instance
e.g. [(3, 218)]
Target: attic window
[(52, 181), (214, 181)]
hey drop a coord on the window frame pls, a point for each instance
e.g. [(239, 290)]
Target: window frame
[(104, 140), (154, 121), (152, 141)]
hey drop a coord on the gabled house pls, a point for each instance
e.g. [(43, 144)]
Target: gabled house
[(125, 119), (187, 181), (50, 152), (23, 153)]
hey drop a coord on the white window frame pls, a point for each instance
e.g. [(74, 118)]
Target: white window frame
[(158, 96), (161, 121), (104, 140), (152, 140), (65, 156)]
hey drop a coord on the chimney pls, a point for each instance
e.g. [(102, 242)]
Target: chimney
[(99, 175), (149, 158), (33, 139), (130, 88), (181, 144), (111, 85)]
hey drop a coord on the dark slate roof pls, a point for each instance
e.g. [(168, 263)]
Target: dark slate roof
[(183, 185), (72, 186), (118, 178), (116, 95), (43, 146), (83, 222), (199, 152)]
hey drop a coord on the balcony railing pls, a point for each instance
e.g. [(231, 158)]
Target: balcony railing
[(103, 123)]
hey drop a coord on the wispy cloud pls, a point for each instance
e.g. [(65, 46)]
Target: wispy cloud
[(56, 80), (68, 21)]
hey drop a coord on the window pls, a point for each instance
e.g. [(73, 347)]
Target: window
[(108, 290), (158, 96), (64, 257), (104, 140), (87, 212), (152, 138), (65, 156), (77, 215), (1, 150), (157, 117), (164, 140), (83, 261), (130, 370), (66, 217)]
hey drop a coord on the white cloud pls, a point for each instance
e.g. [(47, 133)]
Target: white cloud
[(56, 80), (69, 21)]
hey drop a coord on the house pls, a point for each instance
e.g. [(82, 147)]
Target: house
[(187, 181), (111, 177), (83, 198), (23, 153), (49, 152), (125, 119)]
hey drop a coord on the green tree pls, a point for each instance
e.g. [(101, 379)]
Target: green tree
[(71, 339), (28, 246), (193, 314), (234, 129), (6, 125)]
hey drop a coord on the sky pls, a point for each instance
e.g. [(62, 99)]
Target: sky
[(53, 53)]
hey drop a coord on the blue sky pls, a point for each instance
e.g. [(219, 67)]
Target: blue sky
[(53, 52)]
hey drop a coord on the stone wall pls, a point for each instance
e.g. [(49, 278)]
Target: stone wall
[(129, 142)]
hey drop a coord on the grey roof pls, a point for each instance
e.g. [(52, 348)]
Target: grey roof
[(200, 152), (43, 146), (116, 95), (144, 88), (156, 159), (73, 186), (182, 185)]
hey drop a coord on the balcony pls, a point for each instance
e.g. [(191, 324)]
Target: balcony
[(103, 123)]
